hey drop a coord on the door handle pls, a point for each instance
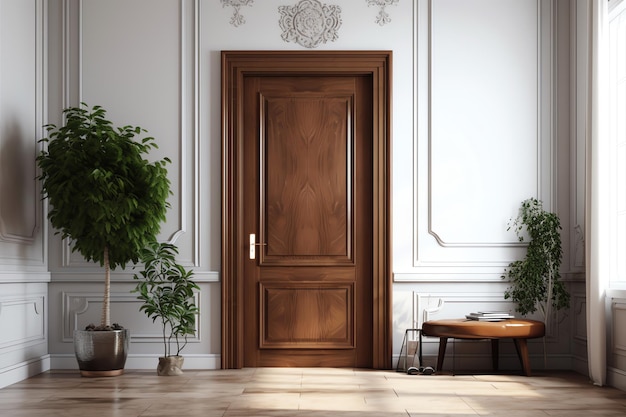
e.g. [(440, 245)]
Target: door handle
[(253, 245)]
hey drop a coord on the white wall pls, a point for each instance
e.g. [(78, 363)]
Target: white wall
[(23, 272), (481, 120), (143, 68), (492, 128)]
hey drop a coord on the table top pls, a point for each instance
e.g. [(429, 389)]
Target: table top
[(474, 329)]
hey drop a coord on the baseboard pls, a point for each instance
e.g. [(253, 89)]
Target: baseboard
[(63, 361), (580, 365), (616, 378), (201, 362), (24, 370)]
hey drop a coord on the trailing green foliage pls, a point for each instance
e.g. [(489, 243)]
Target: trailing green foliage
[(535, 280), (103, 194), (166, 289)]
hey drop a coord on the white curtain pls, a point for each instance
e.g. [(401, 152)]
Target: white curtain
[(597, 195)]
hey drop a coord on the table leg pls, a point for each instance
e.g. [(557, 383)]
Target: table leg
[(522, 351), (495, 353), (443, 341)]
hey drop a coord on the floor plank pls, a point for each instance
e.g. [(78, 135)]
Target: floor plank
[(313, 392)]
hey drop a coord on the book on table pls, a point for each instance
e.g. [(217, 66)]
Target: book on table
[(490, 316)]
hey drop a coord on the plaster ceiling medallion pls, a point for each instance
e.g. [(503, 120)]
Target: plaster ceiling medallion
[(383, 17), (310, 23), (237, 18)]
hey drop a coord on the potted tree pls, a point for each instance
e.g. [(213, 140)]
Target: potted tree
[(166, 289), (535, 280), (109, 201)]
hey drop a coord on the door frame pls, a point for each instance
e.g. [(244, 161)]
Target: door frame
[(235, 65)]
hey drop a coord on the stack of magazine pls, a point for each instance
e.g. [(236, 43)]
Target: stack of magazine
[(490, 316)]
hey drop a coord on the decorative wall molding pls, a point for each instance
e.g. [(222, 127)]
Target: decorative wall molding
[(578, 312), (189, 137), (10, 276), (77, 304), (436, 217), (423, 306), (618, 324), (237, 19), (19, 223), (441, 254), (579, 246), (95, 274), (190, 132), (382, 18), (22, 321), (138, 335), (310, 23), (581, 101), (436, 272)]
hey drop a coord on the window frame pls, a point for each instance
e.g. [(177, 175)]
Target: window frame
[(617, 146)]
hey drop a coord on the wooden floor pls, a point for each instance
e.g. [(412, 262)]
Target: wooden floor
[(309, 392)]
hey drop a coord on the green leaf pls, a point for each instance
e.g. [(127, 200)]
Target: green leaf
[(101, 189), (166, 289), (535, 280)]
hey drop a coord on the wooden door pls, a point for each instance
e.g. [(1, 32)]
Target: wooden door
[(307, 139), (306, 186)]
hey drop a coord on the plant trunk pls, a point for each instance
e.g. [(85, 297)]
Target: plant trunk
[(165, 344), (105, 321)]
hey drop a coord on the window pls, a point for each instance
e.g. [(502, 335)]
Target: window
[(617, 140)]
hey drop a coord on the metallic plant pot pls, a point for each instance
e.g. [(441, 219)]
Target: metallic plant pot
[(101, 353)]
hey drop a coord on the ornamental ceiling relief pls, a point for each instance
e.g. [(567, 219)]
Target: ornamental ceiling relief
[(309, 23), (237, 19), (383, 17)]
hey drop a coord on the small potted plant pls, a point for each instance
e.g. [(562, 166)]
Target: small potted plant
[(535, 280), (109, 201), (166, 289)]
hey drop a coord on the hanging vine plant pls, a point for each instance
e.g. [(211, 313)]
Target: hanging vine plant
[(535, 280)]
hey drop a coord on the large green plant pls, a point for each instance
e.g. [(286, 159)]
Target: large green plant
[(166, 289), (103, 194), (535, 280)]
